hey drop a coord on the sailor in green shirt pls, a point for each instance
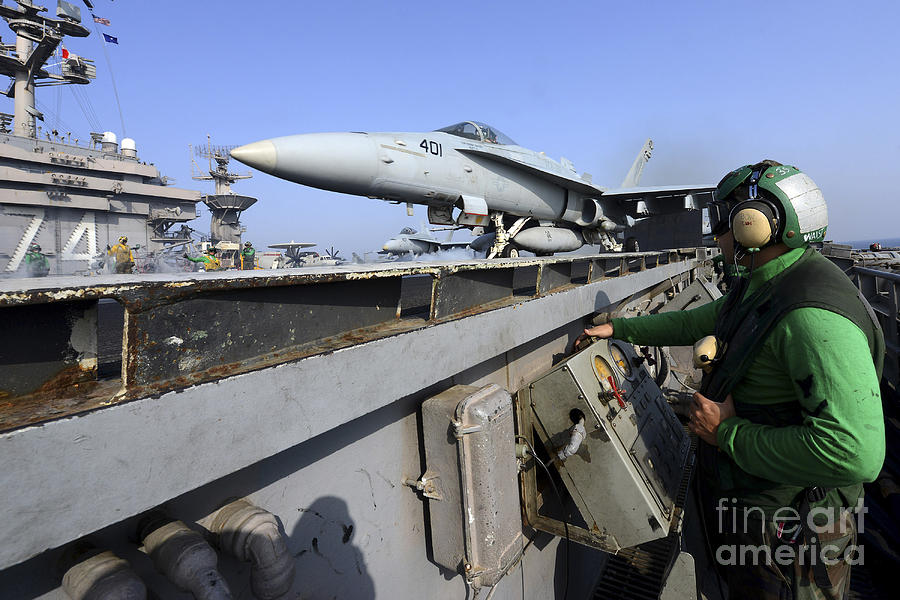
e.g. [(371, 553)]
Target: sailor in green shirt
[(36, 262), (248, 257), (209, 260), (790, 410)]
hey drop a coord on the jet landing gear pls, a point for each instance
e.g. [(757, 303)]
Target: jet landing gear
[(603, 238), (501, 245)]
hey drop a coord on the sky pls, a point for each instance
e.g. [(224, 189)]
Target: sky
[(715, 84)]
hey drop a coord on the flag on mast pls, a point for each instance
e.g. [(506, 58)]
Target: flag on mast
[(100, 20), (110, 39)]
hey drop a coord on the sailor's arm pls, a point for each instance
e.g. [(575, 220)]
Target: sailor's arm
[(841, 439), (676, 328)]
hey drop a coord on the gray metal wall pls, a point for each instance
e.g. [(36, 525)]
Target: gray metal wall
[(323, 442)]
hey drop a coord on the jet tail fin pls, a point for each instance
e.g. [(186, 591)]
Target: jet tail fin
[(634, 174)]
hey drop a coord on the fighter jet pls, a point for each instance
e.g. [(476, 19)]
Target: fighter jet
[(409, 241), (470, 174)]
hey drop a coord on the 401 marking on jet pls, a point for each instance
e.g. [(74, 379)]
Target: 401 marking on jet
[(470, 174)]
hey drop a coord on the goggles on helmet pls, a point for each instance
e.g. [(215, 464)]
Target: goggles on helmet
[(719, 212)]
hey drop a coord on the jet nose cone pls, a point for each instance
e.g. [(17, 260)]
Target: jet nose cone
[(340, 162), (259, 155)]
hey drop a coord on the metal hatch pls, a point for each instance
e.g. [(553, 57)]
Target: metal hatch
[(625, 476)]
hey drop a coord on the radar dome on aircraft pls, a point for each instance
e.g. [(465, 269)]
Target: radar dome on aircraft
[(345, 162)]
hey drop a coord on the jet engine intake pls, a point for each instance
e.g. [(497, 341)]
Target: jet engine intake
[(591, 213), (584, 212)]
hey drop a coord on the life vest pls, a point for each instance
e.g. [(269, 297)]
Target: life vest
[(122, 253), (37, 264), (247, 258)]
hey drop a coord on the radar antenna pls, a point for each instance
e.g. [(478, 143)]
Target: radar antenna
[(218, 173), (37, 37), (225, 207)]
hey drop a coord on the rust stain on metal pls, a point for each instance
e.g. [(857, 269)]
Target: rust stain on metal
[(60, 385), (62, 396), (69, 393)]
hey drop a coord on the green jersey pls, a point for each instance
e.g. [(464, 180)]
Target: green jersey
[(813, 357), (37, 264)]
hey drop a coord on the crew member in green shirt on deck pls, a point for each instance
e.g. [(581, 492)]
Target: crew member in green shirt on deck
[(789, 411), (36, 262), (210, 260), (248, 257)]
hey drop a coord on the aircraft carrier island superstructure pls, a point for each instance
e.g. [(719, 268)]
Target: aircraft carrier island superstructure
[(72, 196)]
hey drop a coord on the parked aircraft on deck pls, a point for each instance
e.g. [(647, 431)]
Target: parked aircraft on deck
[(410, 241), (470, 174)]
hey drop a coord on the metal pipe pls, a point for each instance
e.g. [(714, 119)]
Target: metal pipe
[(886, 275), (24, 91), (184, 557), (577, 434), (103, 576), (252, 534)]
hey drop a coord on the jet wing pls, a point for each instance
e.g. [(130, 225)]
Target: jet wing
[(637, 201), (663, 199), (289, 245), (573, 183), (438, 243), (449, 245)]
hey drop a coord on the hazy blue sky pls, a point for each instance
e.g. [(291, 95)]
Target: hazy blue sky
[(715, 84)]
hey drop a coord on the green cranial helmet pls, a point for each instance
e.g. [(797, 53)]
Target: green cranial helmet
[(803, 216)]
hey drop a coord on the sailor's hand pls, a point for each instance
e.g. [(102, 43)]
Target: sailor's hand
[(706, 416), (601, 331)]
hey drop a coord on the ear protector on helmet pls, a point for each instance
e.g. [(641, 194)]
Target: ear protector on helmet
[(754, 224), (755, 221)]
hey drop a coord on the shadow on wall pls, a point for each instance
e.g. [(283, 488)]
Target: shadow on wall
[(332, 566)]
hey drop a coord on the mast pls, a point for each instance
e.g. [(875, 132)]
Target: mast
[(225, 207), (37, 37)]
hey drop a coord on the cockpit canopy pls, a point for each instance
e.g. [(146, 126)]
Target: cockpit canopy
[(407, 231), (481, 132)]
